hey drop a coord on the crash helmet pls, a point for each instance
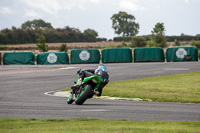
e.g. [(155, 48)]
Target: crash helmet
[(101, 71), (101, 67)]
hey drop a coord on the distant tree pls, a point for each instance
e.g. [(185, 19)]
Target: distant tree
[(50, 35), (30, 31), (159, 29), (197, 35), (124, 24), (36, 23), (69, 34), (42, 44), (90, 35), (7, 36), (101, 39), (158, 35)]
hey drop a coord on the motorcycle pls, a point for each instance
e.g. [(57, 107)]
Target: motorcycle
[(91, 86)]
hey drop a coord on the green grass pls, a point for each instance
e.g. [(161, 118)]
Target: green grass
[(184, 87), (85, 125)]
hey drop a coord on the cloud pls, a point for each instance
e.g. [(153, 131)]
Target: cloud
[(32, 13), (187, 1), (82, 7), (87, 1), (53, 6), (48, 6), (131, 5), (191, 1), (6, 10), (95, 1)]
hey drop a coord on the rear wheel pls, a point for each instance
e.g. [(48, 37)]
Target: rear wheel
[(87, 90)]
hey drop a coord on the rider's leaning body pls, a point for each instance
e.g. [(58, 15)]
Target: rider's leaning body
[(90, 72)]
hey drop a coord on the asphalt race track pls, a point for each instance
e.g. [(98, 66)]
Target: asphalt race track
[(23, 88)]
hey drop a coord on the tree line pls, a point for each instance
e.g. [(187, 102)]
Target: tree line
[(182, 37), (124, 26), (30, 31)]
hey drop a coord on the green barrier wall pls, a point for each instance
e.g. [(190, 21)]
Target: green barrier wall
[(50, 58), (149, 55), (84, 56), (117, 55), (19, 58), (182, 54)]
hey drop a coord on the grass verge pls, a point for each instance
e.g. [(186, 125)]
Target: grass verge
[(86, 125), (184, 87)]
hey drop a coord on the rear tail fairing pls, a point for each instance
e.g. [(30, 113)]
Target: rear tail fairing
[(94, 81)]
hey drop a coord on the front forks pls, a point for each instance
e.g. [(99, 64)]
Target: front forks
[(76, 92)]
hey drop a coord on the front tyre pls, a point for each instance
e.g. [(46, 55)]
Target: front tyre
[(84, 95), (70, 100)]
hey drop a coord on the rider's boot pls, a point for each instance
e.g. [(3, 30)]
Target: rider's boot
[(77, 85)]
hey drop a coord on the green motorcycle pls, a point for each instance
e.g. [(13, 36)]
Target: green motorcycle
[(91, 86)]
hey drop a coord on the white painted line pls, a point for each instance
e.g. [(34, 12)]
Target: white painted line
[(177, 69), (68, 67), (58, 93), (68, 93), (62, 93), (95, 110), (50, 93)]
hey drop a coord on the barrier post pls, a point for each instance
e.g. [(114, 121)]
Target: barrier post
[(0, 58)]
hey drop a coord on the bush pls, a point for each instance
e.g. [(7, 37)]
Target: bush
[(195, 43), (159, 39), (3, 48), (199, 55), (42, 44), (152, 44), (63, 47), (138, 41), (123, 45), (176, 43)]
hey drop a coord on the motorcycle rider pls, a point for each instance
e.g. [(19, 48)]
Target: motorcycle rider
[(89, 72)]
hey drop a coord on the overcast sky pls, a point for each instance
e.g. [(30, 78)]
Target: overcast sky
[(178, 16)]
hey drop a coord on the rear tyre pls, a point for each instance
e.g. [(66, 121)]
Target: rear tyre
[(84, 95)]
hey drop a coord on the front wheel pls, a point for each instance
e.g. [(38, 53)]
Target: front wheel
[(70, 100), (87, 90)]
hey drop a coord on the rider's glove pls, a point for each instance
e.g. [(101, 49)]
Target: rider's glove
[(79, 71)]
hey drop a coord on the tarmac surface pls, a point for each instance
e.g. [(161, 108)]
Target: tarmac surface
[(23, 88)]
